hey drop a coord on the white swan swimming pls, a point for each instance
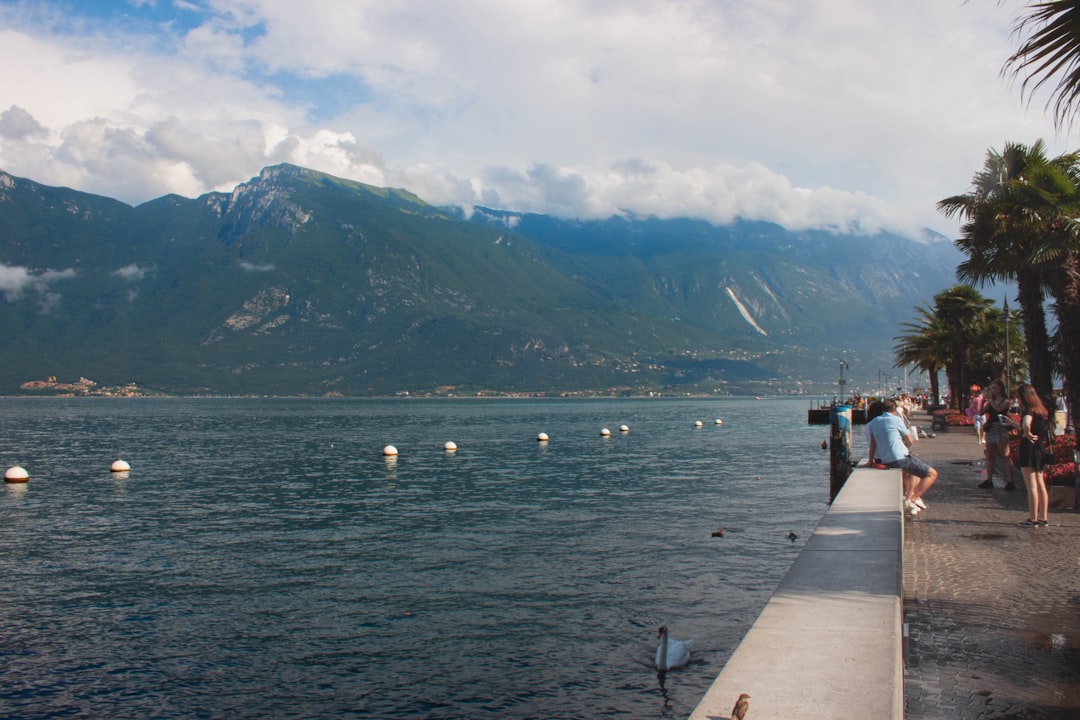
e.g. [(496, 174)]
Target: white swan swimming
[(671, 653)]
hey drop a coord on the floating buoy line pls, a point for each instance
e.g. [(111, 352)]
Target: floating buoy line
[(17, 474)]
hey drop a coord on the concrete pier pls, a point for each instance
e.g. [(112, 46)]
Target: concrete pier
[(828, 645)]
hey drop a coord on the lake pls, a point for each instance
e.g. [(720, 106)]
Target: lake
[(263, 559)]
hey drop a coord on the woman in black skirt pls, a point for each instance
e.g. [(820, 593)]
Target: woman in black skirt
[(1033, 440)]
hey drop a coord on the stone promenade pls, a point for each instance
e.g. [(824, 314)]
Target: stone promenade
[(992, 608)]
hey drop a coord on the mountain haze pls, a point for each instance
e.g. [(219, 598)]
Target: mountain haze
[(301, 283)]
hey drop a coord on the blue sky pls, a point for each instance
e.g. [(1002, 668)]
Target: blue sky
[(847, 114)]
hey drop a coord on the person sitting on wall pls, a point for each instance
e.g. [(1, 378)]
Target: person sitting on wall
[(891, 440)]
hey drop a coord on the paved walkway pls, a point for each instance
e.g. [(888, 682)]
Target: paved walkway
[(992, 608)]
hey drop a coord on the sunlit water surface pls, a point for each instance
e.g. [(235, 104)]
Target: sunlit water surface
[(264, 560)]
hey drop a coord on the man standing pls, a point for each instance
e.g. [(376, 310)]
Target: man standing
[(891, 440)]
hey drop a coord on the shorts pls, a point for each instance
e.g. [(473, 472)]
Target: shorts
[(997, 433), (978, 421), (911, 465)]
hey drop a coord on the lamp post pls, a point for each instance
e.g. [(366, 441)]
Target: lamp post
[(842, 381), (1005, 310)]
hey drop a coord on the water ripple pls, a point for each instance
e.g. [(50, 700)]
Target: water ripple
[(262, 559)]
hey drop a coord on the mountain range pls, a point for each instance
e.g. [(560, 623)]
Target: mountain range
[(300, 283)]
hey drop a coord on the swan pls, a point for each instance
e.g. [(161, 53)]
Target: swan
[(671, 653)]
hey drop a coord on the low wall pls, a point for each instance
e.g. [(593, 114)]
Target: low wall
[(829, 642)]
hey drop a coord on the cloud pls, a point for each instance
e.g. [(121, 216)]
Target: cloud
[(17, 124), (132, 273), (16, 281), (252, 267), (806, 114)]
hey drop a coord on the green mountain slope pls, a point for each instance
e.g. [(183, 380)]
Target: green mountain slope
[(301, 283)]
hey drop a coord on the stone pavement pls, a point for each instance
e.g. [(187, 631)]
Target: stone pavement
[(992, 609)]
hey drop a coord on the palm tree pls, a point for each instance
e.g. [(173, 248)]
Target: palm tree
[(926, 346), (1065, 287), (1053, 201), (1001, 217), (963, 311), (1052, 49), (947, 335)]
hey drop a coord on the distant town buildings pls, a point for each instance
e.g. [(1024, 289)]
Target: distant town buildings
[(83, 387)]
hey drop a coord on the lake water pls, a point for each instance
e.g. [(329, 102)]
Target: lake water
[(263, 559)]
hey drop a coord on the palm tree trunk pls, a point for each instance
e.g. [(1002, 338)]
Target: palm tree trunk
[(1029, 286), (1065, 286), (952, 377)]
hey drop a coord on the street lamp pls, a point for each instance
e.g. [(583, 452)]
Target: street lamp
[(1005, 310)]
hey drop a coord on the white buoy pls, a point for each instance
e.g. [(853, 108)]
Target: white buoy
[(120, 466), (389, 451), (698, 423), (605, 432), (624, 428), (542, 437), (16, 474), (449, 446), (719, 421)]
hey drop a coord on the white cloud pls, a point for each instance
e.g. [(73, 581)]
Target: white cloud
[(15, 281), (132, 273), (248, 266), (823, 113), (17, 124)]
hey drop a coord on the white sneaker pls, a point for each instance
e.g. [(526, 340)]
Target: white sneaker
[(910, 508), (920, 503)]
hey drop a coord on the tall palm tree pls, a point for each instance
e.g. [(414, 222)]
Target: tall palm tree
[(1051, 49), (1000, 220), (1065, 287), (1053, 200)]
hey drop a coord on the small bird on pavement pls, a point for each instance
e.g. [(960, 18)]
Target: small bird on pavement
[(741, 706)]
